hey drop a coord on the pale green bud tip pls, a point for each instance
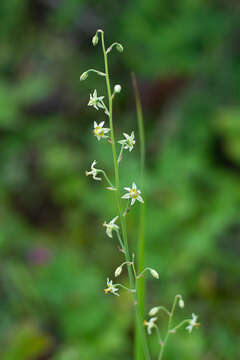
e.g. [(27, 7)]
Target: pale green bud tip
[(83, 76), (153, 311), (181, 303), (95, 39), (117, 88), (154, 273), (118, 271), (119, 47)]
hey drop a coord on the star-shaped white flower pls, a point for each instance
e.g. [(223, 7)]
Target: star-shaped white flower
[(129, 142), (93, 171), (111, 288), (133, 194), (111, 226), (150, 324), (96, 101), (99, 131), (192, 323)]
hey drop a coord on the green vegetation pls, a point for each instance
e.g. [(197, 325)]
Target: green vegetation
[(53, 252)]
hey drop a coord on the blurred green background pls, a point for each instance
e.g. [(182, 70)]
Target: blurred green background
[(55, 256)]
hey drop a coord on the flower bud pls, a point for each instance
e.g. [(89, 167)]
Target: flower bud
[(153, 311), (119, 47), (117, 88), (118, 271), (154, 273), (181, 303), (95, 39), (83, 76)]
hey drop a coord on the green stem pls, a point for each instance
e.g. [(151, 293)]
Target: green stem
[(141, 236), (169, 328), (120, 240), (106, 177), (122, 218), (180, 325)]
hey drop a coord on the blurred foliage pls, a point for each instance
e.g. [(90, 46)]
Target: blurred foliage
[(55, 256)]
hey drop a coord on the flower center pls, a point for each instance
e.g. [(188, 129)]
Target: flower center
[(98, 131), (107, 290), (134, 193)]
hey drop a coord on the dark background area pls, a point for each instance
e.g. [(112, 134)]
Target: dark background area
[(55, 257)]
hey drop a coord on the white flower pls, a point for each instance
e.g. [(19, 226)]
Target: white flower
[(111, 288), (150, 324), (111, 226), (129, 142), (154, 311), (96, 101), (99, 131), (133, 194), (192, 323), (117, 88), (93, 171)]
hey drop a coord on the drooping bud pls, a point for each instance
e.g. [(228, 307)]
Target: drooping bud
[(181, 303), (84, 76), (95, 39), (118, 271), (119, 47), (117, 88), (154, 273), (153, 311)]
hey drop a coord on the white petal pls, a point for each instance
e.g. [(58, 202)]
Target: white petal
[(101, 123), (127, 188), (139, 198), (134, 186), (95, 124), (133, 201), (126, 196), (114, 219)]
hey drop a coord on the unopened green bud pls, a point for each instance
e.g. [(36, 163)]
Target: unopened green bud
[(119, 47), (118, 271), (154, 273), (153, 311), (95, 39), (117, 88), (84, 76)]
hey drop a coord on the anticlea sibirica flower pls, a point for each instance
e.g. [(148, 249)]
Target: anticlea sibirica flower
[(129, 142), (111, 288), (96, 101), (93, 171), (99, 131), (192, 323), (150, 324), (111, 226), (133, 194)]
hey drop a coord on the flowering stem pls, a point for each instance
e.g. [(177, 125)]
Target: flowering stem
[(120, 240), (181, 324), (164, 310), (126, 288), (117, 193), (158, 333), (141, 273), (120, 154), (106, 177), (169, 328)]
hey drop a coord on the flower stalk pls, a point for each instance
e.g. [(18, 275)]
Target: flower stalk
[(118, 201)]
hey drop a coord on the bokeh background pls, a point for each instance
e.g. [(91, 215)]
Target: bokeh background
[(55, 256)]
